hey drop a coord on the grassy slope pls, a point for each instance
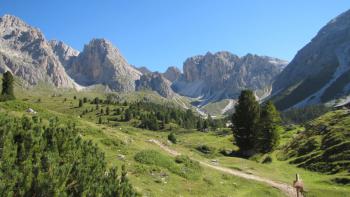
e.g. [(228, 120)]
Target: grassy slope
[(129, 140), (316, 184), (325, 145)]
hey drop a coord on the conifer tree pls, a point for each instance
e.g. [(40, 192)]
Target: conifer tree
[(107, 110), (268, 136), (245, 121), (7, 87)]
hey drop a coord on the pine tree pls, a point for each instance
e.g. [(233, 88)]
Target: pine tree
[(172, 138), (7, 87), (269, 124), (107, 110), (245, 121), (127, 115), (80, 103), (199, 125)]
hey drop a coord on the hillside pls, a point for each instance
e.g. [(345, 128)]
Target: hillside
[(319, 73), (324, 146)]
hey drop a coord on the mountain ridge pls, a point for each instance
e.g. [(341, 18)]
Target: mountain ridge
[(319, 73)]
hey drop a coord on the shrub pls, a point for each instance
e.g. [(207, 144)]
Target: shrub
[(267, 159), (48, 159), (172, 138), (206, 149)]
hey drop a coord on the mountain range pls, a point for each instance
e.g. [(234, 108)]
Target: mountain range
[(319, 73)]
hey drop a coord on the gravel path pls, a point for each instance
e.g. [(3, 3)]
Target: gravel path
[(289, 190)]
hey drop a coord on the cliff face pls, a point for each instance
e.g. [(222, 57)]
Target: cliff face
[(156, 82), (320, 72), (172, 73), (65, 53), (27, 54), (101, 63), (223, 75)]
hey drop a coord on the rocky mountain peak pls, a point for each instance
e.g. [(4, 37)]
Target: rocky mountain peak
[(10, 21), (25, 51), (102, 63), (172, 73), (144, 70), (223, 75), (64, 52)]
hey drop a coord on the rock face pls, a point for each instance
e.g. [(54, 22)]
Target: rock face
[(172, 73), (144, 70), (156, 82), (26, 53), (223, 75), (101, 63), (65, 53), (320, 72)]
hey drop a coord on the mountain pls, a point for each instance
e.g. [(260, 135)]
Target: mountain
[(101, 63), (156, 82), (172, 73), (212, 77), (320, 72), (223, 75), (27, 54)]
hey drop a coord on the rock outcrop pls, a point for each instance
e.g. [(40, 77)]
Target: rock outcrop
[(223, 75), (320, 72), (65, 53), (156, 82), (172, 73), (143, 70), (101, 63), (27, 54)]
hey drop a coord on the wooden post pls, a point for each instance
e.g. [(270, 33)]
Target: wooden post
[(298, 184), (297, 180)]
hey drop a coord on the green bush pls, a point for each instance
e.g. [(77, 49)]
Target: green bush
[(172, 138), (206, 149), (267, 159)]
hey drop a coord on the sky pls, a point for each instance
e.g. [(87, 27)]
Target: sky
[(162, 33)]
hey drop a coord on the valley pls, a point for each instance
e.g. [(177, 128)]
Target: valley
[(218, 173), (89, 123)]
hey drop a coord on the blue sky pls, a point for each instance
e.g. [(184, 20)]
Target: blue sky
[(162, 33)]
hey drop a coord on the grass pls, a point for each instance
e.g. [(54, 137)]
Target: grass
[(324, 146), (182, 166), (316, 184)]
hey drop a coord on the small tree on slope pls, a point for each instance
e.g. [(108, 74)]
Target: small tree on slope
[(7, 87)]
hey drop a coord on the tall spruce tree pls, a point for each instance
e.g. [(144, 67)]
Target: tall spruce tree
[(245, 121), (7, 87), (269, 124)]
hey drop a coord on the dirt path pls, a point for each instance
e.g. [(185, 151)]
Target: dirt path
[(285, 188)]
